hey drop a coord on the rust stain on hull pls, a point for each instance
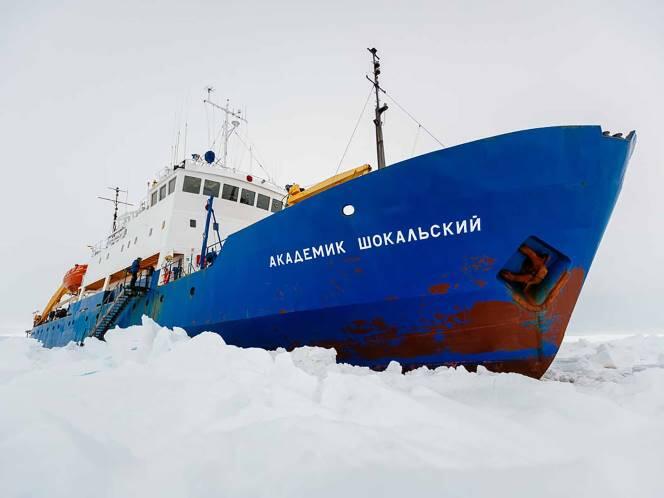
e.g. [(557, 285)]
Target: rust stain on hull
[(479, 264), (488, 326), (439, 288)]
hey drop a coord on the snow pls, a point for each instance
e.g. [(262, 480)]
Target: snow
[(151, 412)]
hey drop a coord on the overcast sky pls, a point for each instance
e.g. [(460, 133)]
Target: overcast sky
[(92, 95)]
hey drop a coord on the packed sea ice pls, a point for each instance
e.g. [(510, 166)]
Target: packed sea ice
[(151, 412)]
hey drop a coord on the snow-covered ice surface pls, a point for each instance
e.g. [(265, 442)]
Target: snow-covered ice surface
[(154, 413)]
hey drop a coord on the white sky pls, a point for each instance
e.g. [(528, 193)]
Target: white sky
[(92, 93)]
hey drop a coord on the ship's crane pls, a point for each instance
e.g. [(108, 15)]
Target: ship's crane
[(297, 194)]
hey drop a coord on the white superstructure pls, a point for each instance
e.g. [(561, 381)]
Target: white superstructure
[(169, 224)]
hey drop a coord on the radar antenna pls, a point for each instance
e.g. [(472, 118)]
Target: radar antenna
[(380, 148), (116, 202), (229, 126)]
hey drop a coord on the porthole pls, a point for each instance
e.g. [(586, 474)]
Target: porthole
[(192, 291), (348, 210)]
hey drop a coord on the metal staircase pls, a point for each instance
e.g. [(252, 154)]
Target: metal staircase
[(107, 320)]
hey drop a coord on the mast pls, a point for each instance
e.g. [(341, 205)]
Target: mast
[(116, 202), (380, 147), (228, 128)]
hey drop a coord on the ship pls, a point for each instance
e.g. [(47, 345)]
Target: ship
[(471, 255)]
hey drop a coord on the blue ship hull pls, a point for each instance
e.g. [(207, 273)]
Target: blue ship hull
[(420, 273)]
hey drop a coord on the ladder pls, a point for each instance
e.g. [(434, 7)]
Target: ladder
[(107, 320)]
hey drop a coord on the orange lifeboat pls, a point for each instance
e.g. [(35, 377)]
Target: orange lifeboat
[(73, 278), (71, 282)]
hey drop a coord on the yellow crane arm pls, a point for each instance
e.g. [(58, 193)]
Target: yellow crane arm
[(52, 303), (297, 194)]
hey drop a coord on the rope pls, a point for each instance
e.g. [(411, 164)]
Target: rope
[(412, 117), (354, 130)]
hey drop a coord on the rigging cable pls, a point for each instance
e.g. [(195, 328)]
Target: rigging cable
[(250, 147), (417, 135), (412, 117), (354, 130)]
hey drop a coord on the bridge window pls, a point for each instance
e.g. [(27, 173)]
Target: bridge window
[(192, 223), (211, 188), (230, 192), (192, 185), (248, 197), (162, 192), (277, 205), (263, 202), (153, 198), (171, 186)]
